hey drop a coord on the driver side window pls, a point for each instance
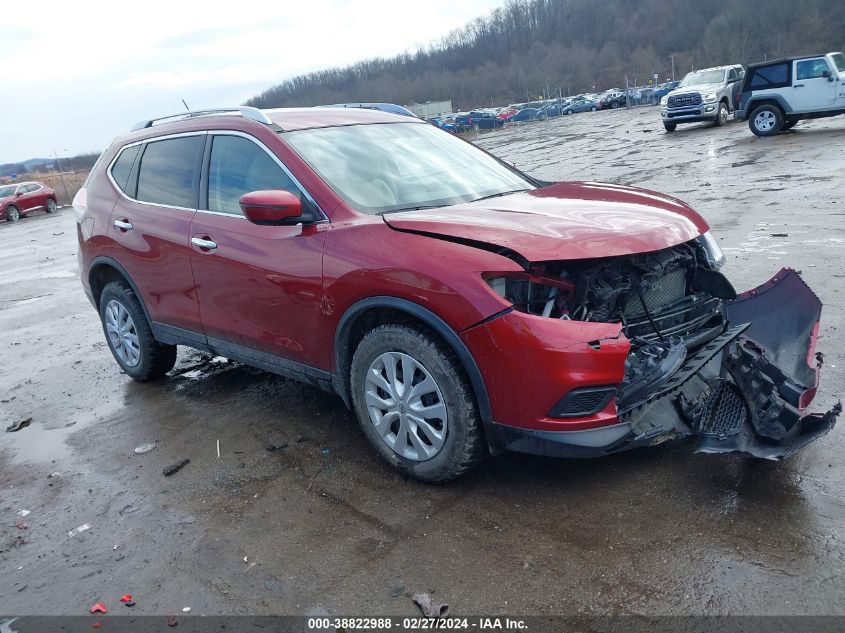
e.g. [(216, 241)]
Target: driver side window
[(811, 68), (238, 166)]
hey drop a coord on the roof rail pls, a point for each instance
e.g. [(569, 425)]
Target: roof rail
[(254, 114)]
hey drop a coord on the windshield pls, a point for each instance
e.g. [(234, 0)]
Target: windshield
[(379, 168), (5, 192), (839, 60), (703, 77)]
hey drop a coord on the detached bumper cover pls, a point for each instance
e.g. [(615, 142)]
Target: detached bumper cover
[(745, 391)]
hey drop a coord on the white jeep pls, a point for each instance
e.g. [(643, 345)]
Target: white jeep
[(778, 94)]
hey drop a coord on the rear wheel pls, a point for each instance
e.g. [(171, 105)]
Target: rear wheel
[(50, 206), (614, 105), (130, 337), (568, 112), (592, 108), (670, 127), (415, 404), (12, 214), (766, 120)]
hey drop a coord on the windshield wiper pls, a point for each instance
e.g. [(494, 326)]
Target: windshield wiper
[(417, 208), (503, 193)]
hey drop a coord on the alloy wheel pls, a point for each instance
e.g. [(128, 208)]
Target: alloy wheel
[(123, 336), (765, 120), (406, 406), (13, 214)]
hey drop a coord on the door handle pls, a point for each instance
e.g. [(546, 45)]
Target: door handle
[(799, 85), (123, 225), (206, 244)]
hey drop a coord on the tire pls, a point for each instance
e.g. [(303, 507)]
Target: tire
[(568, 112), (461, 444), (766, 120), (614, 105), (12, 213), (592, 108), (476, 128), (721, 115), (50, 206), (154, 359), (670, 127)]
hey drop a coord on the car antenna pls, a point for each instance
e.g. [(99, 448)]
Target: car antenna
[(186, 105)]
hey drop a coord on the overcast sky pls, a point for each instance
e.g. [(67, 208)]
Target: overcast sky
[(77, 74)]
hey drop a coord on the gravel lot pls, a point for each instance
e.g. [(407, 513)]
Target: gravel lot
[(320, 526)]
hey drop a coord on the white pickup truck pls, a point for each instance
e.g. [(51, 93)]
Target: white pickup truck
[(777, 94)]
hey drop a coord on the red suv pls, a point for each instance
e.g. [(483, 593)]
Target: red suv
[(16, 201), (460, 307)]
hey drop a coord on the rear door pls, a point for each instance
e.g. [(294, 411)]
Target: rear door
[(259, 287), (811, 90), (151, 222)]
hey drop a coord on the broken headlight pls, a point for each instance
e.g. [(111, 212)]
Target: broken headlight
[(711, 248), (534, 294)]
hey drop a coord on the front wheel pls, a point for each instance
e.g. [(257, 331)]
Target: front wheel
[(51, 205), (415, 404), (766, 120), (12, 214), (568, 112), (130, 337), (721, 115), (593, 109), (670, 127)]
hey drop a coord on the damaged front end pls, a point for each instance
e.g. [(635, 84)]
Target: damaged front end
[(736, 371)]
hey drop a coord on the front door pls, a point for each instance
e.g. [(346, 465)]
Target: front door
[(811, 90), (259, 286), (151, 222)]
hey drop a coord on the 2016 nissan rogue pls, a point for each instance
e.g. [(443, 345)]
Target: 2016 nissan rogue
[(460, 307)]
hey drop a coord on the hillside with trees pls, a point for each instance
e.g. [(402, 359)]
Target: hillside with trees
[(527, 47)]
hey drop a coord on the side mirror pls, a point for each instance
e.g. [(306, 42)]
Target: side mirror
[(827, 75), (274, 206)]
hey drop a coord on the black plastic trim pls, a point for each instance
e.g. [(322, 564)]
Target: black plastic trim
[(559, 410)]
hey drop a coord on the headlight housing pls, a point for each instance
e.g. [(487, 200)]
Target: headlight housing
[(714, 253), (664, 101), (710, 98)]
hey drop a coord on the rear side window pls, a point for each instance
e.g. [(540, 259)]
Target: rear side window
[(168, 171), (238, 166), (123, 166), (775, 76)]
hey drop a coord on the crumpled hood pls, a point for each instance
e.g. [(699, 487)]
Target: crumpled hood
[(573, 220)]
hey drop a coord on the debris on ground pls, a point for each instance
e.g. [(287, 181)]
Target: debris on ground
[(126, 598), (96, 625), (144, 448), (171, 620), (175, 468), (17, 426), (186, 609), (325, 451), (397, 591), (430, 609), (778, 234), (82, 528), (23, 513), (54, 475), (274, 446), (99, 608), (21, 525), (129, 604)]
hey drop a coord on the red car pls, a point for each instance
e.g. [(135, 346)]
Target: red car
[(459, 306), (17, 201)]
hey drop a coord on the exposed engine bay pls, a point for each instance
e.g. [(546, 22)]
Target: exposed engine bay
[(737, 371)]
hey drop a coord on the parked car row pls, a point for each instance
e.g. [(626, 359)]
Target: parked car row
[(772, 96), (19, 200)]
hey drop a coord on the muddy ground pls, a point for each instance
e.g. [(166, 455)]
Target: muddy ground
[(320, 526)]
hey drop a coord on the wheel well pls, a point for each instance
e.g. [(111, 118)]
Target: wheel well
[(761, 102), (100, 276), (357, 329)]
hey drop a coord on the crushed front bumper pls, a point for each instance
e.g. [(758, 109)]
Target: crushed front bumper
[(745, 391)]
